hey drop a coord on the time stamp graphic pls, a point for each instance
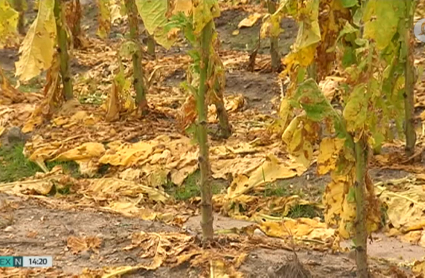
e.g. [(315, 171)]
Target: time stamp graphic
[(36, 261)]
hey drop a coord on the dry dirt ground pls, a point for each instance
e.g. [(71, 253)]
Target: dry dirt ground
[(30, 227)]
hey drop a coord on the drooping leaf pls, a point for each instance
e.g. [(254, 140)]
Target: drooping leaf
[(154, 16), (203, 12), (381, 19), (309, 29), (355, 111), (299, 138), (36, 52), (330, 149), (104, 18), (312, 100)]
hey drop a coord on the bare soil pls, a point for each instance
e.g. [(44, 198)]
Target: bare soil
[(32, 229)]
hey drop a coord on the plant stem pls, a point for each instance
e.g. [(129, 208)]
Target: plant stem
[(409, 107), (360, 237), (62, 39), (19, 7), (151, 45), (274, 41), (139, 84), (312, 71), (204, 164)]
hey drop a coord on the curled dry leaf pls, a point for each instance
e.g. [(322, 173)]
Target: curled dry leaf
[(79, 244)]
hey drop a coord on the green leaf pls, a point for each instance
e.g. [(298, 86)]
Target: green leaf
[(349, 58), (381, 20), (312, 100), (153, 14), (349, 3)]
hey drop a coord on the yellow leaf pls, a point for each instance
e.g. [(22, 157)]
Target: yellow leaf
[(299, 137), (127, 154), (250, 20), (113, 103), (419, 268), (204, 12), (301, 228), (104, 18), (85, 151), (406, 209), (330, 149), (338, 210), (184, 6), (8, 23), (270, 171), (103, 188), (36, 52)]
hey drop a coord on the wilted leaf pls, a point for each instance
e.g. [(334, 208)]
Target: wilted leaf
[(36, 51), (250, 20), (312, 100), (104, 18), (204, 12), (79, 244), (271, 170), (382, 13), (405, 209), (330, 149), (153, 13), (301, 228), (355, 111)]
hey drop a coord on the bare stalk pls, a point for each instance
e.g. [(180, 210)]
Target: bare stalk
[(139, 84), (62, 40), (409, 107), (360, 237), (274, 41), (204, 164), (19, 7)]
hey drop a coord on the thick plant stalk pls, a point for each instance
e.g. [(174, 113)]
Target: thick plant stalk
[(409, 107), (360, 237), (62, 39), (19, 7), (139, 84), (204, 163), (274, 41)]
